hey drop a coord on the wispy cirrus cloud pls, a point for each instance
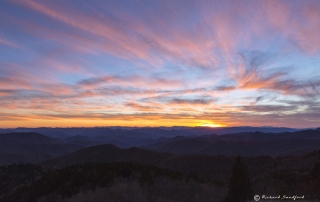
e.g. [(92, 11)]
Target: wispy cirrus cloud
[(132, 80), (302, 29), (302, 119), (8, 43), (203, 101), (253, 74), (143, 107), (269, 108), (236, 63)]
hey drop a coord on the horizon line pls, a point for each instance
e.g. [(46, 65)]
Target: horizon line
[(218, 127)]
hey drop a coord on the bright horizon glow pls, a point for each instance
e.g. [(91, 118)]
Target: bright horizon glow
[(205, 123), (159, 63), (213, 125)]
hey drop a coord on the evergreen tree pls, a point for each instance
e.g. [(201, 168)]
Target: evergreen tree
[(315, 179), (239, 184)]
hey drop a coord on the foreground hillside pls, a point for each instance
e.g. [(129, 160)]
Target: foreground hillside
[(104, 182), (109, 172), (31, 147), (108, 153), (270, 175), (102, 171)]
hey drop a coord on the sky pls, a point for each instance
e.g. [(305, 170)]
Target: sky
[(159, 63)]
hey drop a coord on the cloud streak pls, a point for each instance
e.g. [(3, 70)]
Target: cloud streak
[(173, 63), (8, 43)]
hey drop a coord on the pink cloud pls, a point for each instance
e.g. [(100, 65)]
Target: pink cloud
[(177, 46), (208, 35), (84, 22), (219, 31), (8, 43), (309, 38), (226, 118), (300, 26), (252, 74)]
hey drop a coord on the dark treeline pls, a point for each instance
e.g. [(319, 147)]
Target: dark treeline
[(144, 182), (128, 181)]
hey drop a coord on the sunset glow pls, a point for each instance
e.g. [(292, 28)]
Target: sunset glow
[(212, 125), (159, 63)]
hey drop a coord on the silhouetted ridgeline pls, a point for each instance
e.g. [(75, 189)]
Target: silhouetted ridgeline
[(155, 131), (278, 163), (245, 144), (128, 137), (31, 148)]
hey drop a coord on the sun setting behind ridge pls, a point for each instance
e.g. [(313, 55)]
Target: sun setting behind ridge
[(159, 63)]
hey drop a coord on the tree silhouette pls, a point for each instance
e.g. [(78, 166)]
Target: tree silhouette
[(315, 178), (239, 184)]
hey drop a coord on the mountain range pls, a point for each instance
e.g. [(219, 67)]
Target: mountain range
[(127, 137), (244, 144), (32, 147), (277, 163)]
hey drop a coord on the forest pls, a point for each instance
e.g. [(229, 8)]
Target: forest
[(129, 181)]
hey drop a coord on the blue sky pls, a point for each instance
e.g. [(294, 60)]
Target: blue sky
[(159, 63)]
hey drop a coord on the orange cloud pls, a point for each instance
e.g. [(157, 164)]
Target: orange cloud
[(196, 60), (156, 119)]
